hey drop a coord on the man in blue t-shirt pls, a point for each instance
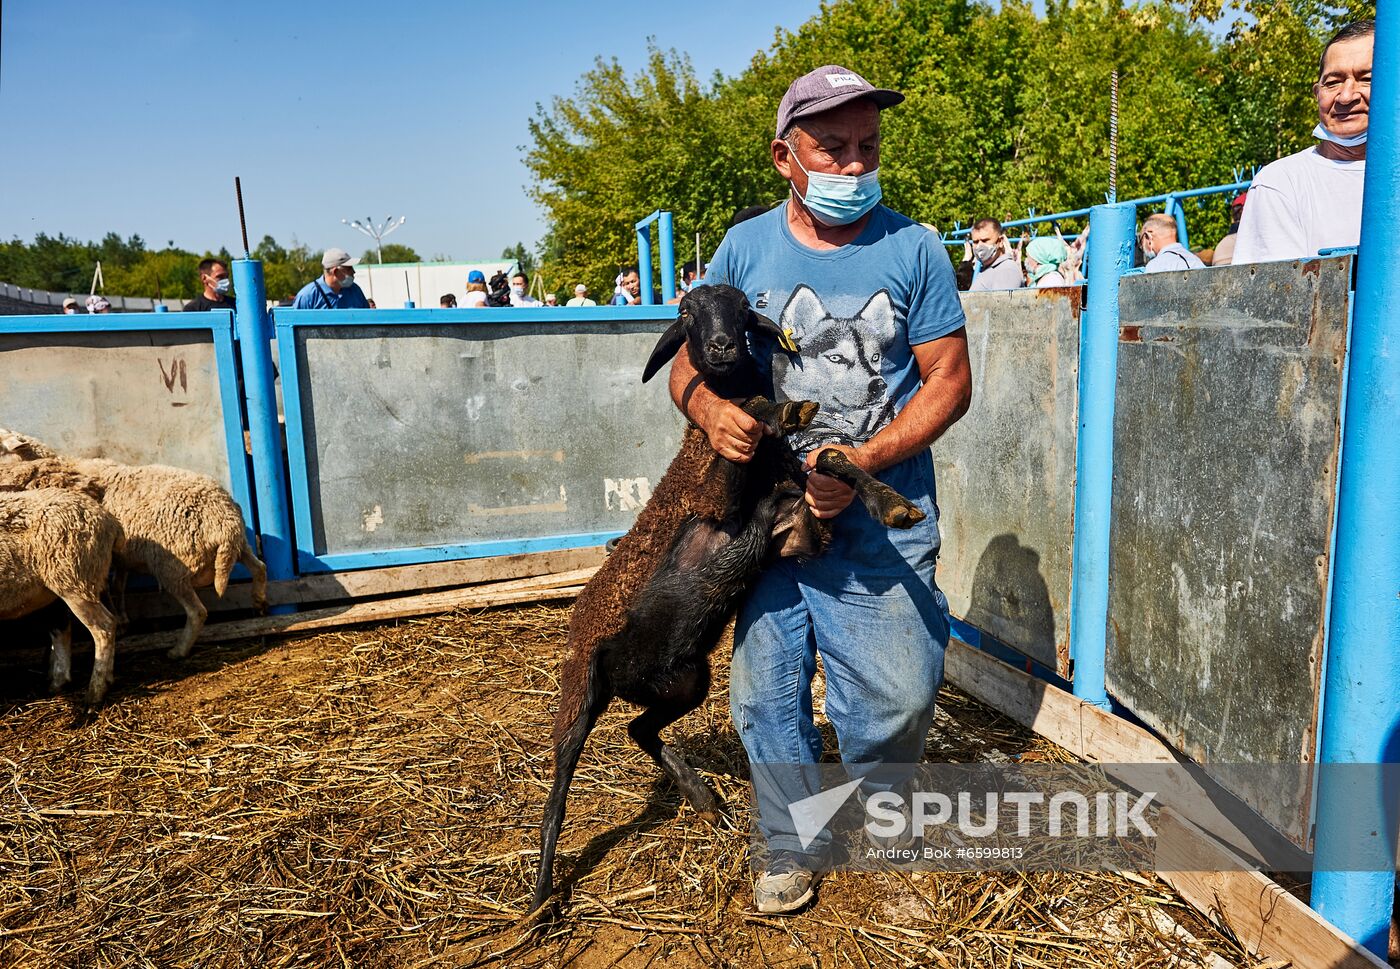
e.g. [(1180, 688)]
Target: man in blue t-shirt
[(870, 299), (335, 289)]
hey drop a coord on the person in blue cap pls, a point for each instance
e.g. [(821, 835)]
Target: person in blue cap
[(476, 290), (869, 299)]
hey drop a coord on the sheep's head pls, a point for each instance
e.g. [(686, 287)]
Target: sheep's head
[(47, 473), (713, 322), (21, 447)]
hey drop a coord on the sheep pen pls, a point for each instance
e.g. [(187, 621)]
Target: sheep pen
[(370, 798)]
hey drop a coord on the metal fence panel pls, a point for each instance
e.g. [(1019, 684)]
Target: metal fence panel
[(1006, 473), (150, 389), (1226, 446), (416, 442)]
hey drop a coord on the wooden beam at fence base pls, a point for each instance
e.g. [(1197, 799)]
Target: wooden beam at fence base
[(1083, 729), (1261, 913), (560, 585), (1266, 919), (365, 583)]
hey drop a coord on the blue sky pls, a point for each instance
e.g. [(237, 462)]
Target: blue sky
[(134, 117)]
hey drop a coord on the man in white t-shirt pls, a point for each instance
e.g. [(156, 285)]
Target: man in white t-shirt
[(519, 291), (581, 297), (1312, 200)]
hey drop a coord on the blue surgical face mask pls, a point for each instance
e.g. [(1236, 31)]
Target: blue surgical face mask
[(1322, 134), (223, 285), (839, 199)]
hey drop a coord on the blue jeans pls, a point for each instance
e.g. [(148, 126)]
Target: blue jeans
[(871, 609)]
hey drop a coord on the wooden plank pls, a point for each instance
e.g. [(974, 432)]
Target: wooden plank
[(1267, 920), (363, 583), (1099, 736), (539, 589), (1262, 912)]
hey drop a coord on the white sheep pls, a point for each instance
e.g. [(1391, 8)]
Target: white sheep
[(181, 527), (57, 543)]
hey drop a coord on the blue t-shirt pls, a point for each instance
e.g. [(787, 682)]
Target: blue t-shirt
[(318, 295), (855, 314)]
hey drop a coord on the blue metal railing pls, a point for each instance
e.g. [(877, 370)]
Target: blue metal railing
[(1172, 201), (665, 227)]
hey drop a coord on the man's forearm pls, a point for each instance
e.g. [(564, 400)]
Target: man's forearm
[(935, 407), (688, 389)]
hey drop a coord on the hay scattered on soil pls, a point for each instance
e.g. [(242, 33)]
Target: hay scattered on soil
[(370, 798)]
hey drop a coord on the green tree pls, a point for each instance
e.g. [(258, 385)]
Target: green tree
[(392, 252), (519, 254), (1006, 110)]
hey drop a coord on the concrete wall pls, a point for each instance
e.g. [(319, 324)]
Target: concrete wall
[(20, 300)]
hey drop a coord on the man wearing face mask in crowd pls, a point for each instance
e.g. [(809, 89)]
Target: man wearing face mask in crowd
[(990, 251), (519, 283), (869, 299), (335, 289), (1311, 201), (218, 288), (1161, 249)]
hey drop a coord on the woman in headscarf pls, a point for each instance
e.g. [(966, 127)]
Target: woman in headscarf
[(1044, 257)]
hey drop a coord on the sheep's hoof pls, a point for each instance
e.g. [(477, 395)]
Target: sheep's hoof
[(716, 818), (806, 411), (540, 917), (179, 652), (903, 516), (795, 415)]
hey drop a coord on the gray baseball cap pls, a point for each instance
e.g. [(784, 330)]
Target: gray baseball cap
[(337, 257), (826, 88)]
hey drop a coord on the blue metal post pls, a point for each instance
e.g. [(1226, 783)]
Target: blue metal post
[(269, 477), (644, 261), (162, 308), (668, 258), (1361, 703), (1111, 229), (408, 304), (1178, 212)]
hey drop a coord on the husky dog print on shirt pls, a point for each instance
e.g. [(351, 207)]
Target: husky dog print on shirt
[(838, 365)]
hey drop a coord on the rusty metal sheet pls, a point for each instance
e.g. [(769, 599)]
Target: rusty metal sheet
[(135, 397), (456, 434), (1006, 472), (1226, 444)]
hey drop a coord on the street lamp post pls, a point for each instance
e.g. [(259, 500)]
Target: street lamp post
[(375, 232)]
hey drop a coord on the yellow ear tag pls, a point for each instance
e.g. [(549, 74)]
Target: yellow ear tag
[(788, 342)]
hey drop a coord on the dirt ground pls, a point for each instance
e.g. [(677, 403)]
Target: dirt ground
[(371, 798)]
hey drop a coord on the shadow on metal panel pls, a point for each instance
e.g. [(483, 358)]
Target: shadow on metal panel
[(1005, 473)]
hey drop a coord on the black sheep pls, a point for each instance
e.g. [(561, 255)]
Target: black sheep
[(645, 624)]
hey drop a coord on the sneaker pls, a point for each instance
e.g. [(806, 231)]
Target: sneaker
[(786, 885)]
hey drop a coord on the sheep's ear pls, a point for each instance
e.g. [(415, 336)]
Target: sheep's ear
[(762, 324), (665, 350)]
